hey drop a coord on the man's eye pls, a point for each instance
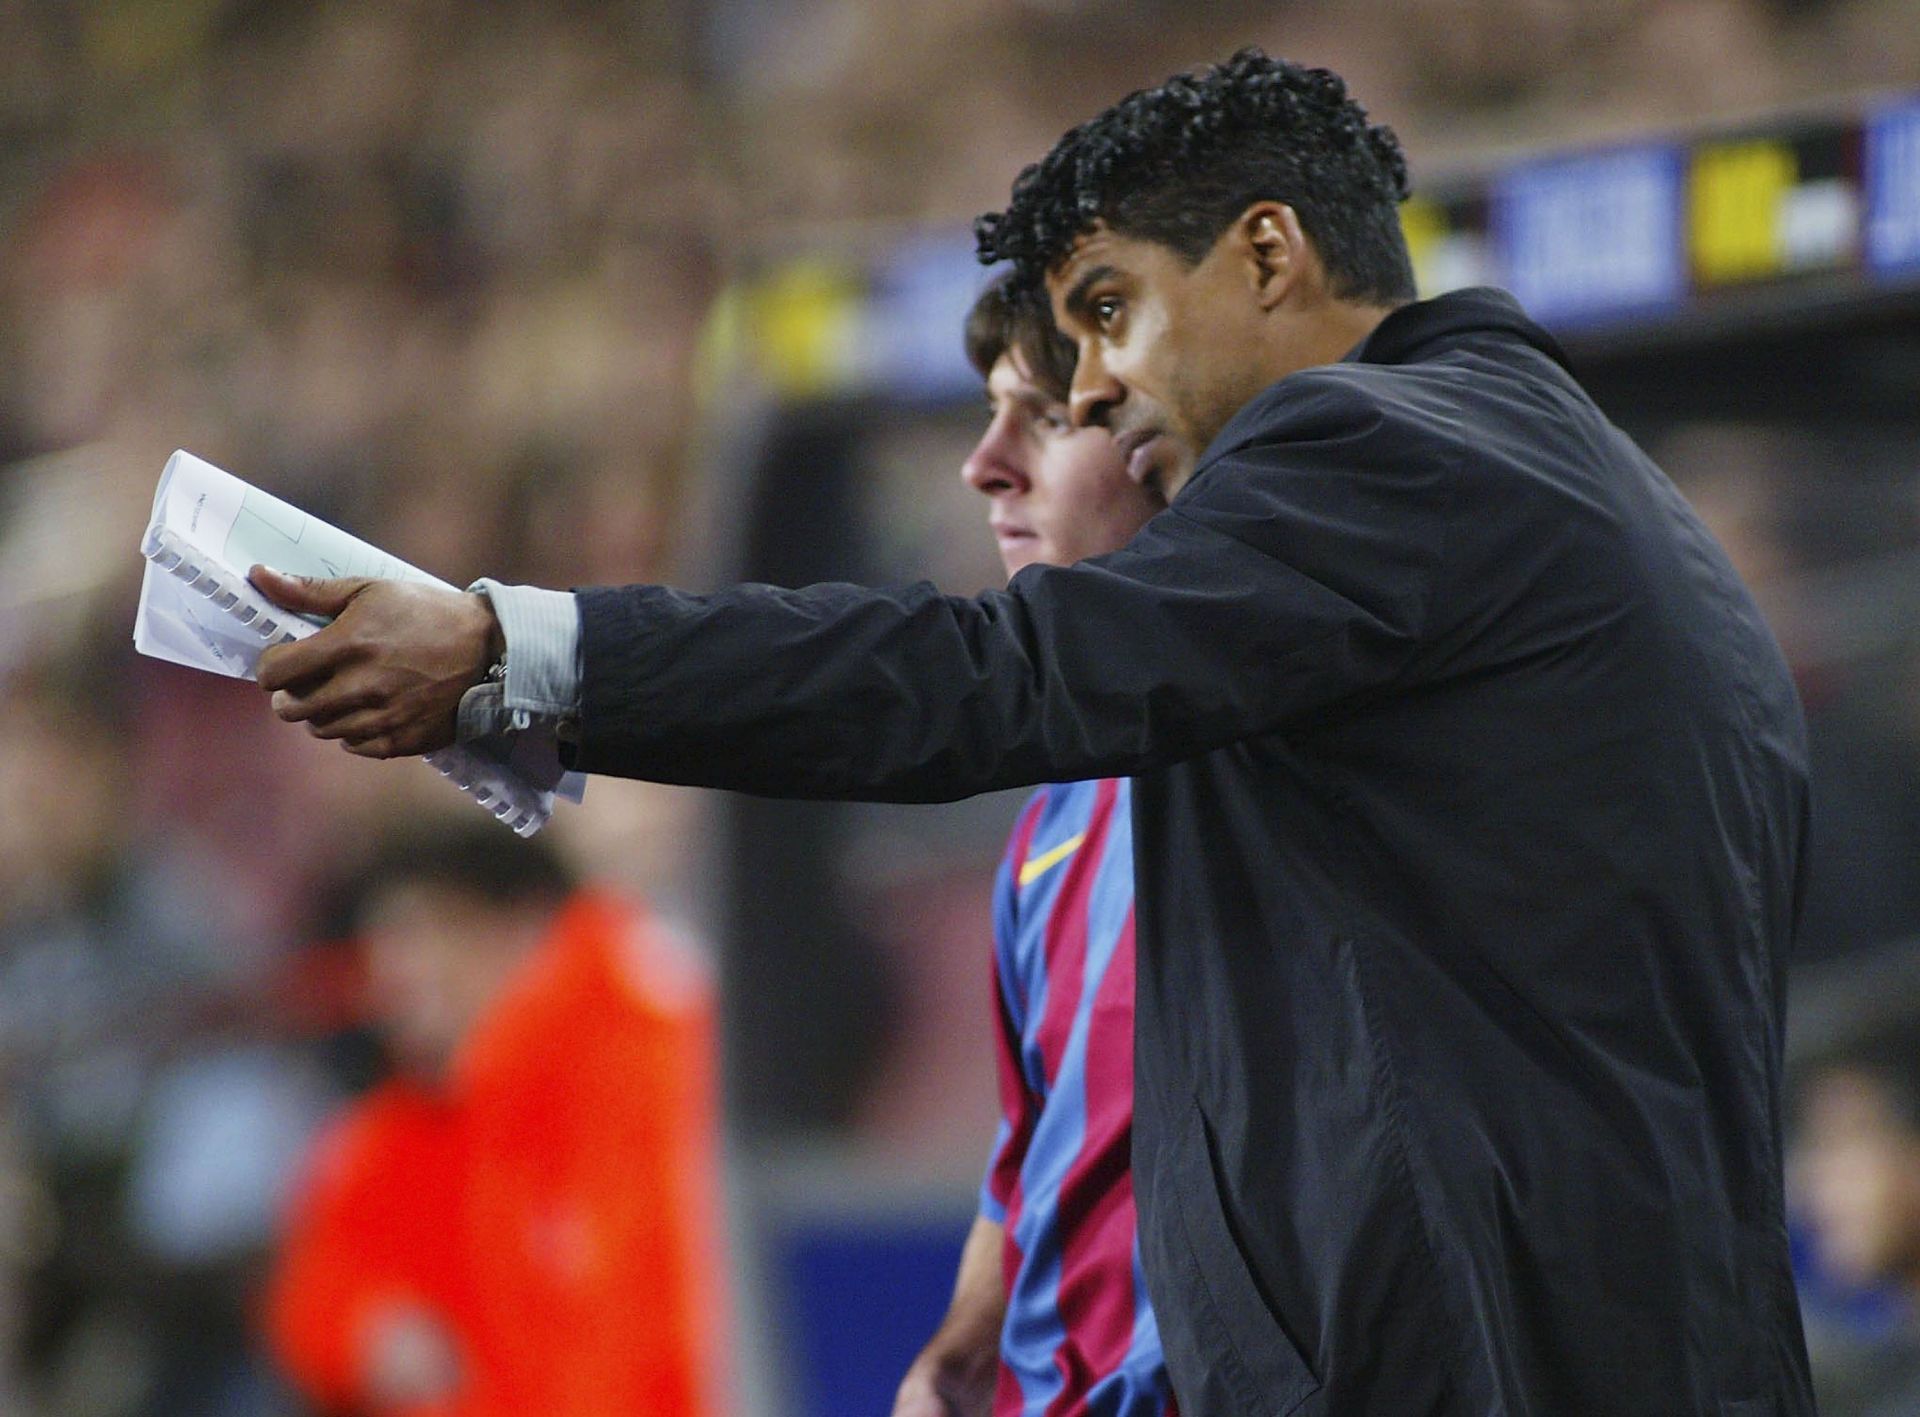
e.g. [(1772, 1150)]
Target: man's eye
[(1106, 309), (1054, 420)]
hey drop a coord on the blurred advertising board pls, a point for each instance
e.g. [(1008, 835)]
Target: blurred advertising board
[(1650, 234), (1681, 227)]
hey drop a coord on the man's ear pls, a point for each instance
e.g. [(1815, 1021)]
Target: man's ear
[(1276, 248)]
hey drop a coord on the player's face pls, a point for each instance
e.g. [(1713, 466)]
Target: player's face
[(1057, 493), (436, 959), (1167, 352)]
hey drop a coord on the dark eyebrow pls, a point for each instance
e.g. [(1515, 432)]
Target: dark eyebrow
[(1076, 302), (1029, 398)]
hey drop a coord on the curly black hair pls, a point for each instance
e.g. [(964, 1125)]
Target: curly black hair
[(1176, 164)]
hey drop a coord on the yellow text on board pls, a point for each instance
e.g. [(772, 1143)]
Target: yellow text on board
[(1737, 195)]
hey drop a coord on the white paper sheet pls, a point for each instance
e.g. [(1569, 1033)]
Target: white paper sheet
[(197, 608)]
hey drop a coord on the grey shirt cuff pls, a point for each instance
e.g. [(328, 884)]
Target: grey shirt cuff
[(542, 689)]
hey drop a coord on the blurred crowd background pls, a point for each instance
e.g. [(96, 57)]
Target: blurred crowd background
[(459, 277)]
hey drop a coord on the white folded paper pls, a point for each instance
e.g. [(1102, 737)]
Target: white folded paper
[(198, 608)]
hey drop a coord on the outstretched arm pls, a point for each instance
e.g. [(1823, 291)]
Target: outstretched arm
[(1286, 577)]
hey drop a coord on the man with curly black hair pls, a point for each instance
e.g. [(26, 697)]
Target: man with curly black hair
[(1163, 174), (1175, 164), (1469, 787)]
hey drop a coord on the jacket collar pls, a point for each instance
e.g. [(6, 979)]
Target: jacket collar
[(1404, 336), (1411, 328)]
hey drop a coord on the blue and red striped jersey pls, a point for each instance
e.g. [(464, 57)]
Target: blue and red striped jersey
[(1080, 1335)]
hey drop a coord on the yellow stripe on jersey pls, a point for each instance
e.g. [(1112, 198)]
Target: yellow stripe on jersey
[(1038, 866)]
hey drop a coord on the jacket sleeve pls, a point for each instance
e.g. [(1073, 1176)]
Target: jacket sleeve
[(1291, 573)]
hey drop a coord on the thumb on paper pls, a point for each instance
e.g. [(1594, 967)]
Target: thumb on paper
[(308, 595)]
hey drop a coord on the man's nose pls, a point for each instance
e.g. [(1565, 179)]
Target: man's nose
[(1094, 393)]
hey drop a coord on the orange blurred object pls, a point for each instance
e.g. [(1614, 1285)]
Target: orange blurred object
[(552, 1215)]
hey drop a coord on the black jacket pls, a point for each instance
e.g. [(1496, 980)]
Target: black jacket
[(1468, 817)]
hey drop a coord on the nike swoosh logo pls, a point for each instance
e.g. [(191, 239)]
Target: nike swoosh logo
[(1037, 866)]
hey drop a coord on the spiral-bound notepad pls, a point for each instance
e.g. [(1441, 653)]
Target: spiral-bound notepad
[(198, 608)]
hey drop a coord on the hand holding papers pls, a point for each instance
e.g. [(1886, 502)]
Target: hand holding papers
[(386, 678), (197, 608)]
